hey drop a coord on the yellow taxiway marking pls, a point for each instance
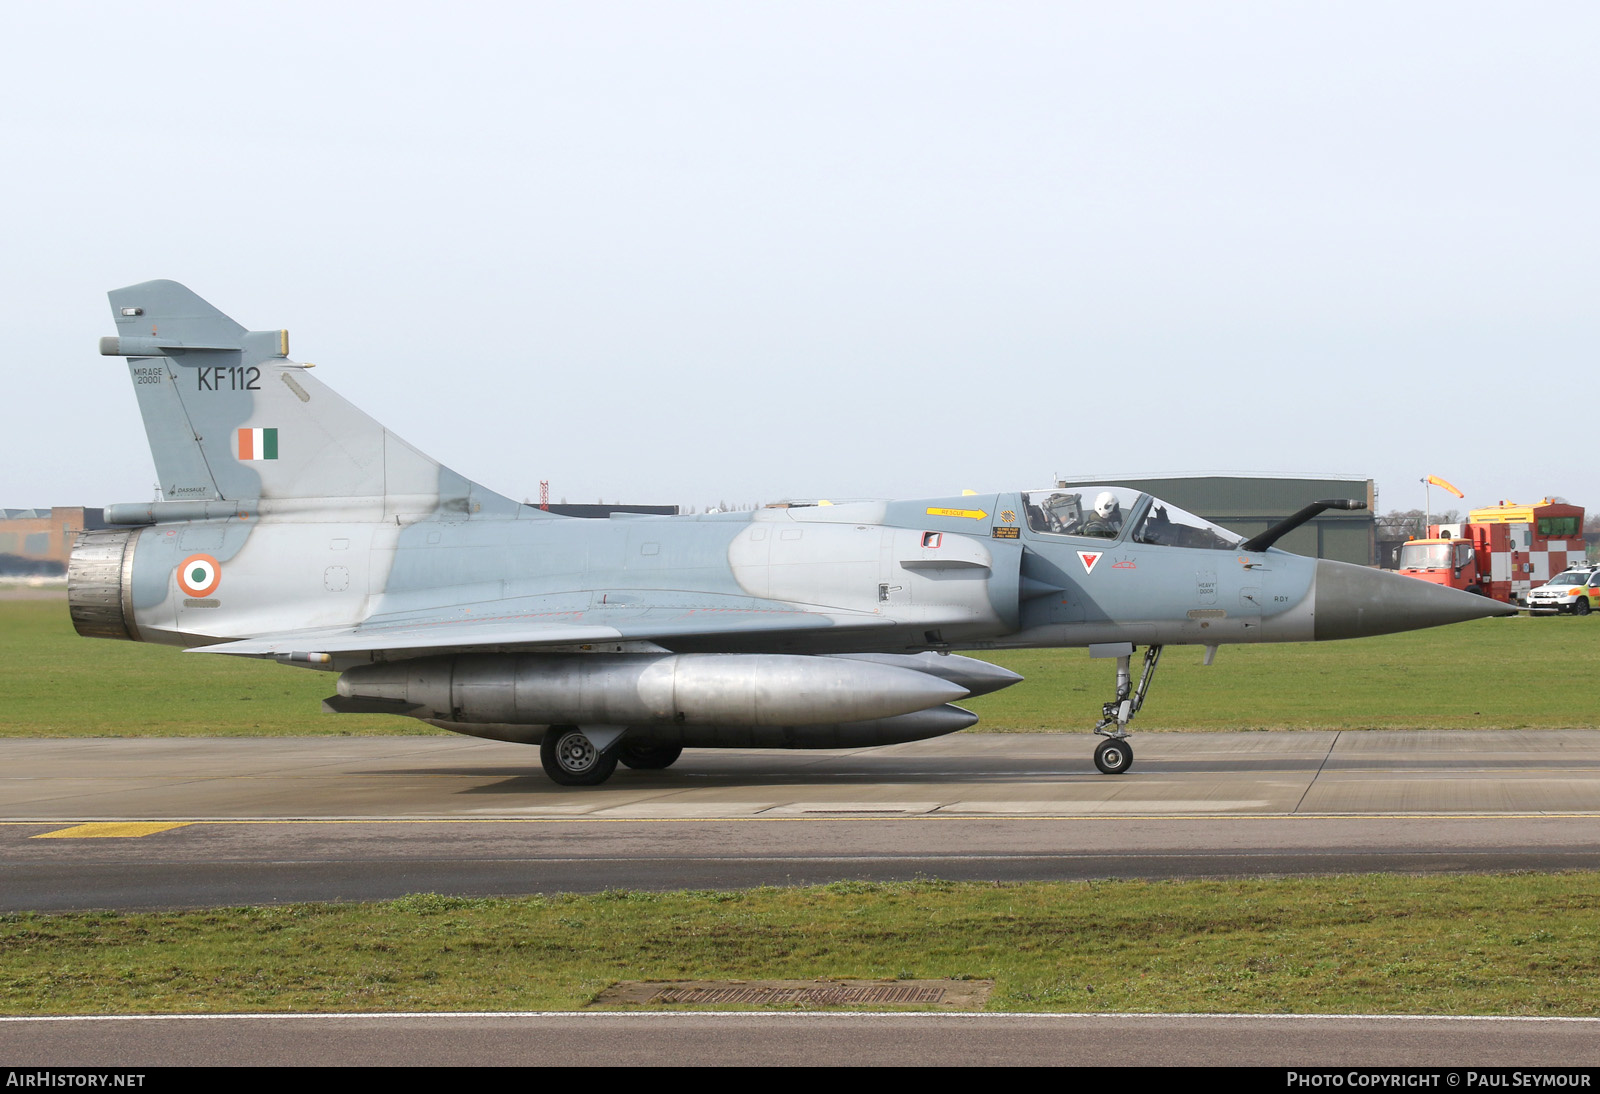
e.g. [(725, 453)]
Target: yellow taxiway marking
[(116, 830)]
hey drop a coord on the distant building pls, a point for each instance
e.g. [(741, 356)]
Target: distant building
[(1249, 504), (600, 512), (38, 541)]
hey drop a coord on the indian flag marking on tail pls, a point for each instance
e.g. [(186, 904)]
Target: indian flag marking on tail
[(258, 444)]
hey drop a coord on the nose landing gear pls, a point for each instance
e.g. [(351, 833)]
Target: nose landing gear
[(1114, 755)]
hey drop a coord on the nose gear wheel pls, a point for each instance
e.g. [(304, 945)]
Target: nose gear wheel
[(1114, 755)]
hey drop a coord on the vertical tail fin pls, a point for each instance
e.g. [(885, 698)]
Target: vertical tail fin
[(230, 416)]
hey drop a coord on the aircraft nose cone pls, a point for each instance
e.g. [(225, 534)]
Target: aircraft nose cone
[(1356, 601)]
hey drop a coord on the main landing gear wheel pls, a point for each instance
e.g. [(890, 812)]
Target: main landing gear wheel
[(643, 757), (571, 759), (1113, 756)]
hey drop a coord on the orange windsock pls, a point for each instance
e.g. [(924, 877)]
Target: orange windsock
[(1435, 480)]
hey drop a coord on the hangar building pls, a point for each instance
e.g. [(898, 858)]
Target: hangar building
[(38, 541), (1248, 504)]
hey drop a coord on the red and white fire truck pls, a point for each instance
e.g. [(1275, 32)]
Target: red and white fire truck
[(1502, 551)]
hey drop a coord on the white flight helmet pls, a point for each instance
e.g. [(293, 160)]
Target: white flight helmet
[(1106, 503)]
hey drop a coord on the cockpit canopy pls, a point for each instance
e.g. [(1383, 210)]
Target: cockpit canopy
[(1112, 512)]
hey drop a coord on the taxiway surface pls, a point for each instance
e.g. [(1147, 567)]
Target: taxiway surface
[(1449, 1044), (187, 822)]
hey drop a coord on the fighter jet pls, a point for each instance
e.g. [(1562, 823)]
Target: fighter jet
[(295, 528)]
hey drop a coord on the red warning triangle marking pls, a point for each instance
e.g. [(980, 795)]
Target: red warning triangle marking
[(1089, 558)]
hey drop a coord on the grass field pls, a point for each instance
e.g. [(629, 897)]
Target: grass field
[(58, 684), (1519, 673), (1494, 673), (1523, 944)]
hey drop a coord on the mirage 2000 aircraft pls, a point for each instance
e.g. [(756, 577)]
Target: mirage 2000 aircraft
[(296, 528)]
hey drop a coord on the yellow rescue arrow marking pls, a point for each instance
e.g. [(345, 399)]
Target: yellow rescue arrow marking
[(118, 830), (971, 514)]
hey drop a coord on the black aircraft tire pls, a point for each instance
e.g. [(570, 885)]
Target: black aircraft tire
[(1581, 607), (571, 759), (642, 757), (1113, 757)]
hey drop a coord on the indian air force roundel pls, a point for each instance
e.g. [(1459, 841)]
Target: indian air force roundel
[(199, 575)]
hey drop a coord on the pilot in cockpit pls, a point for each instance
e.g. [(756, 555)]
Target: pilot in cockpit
[(1106, 519)]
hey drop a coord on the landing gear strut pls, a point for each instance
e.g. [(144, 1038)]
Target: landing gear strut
[(1114, 755)]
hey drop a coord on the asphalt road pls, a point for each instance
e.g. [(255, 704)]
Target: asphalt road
[(1544, 1046), (263, 821)]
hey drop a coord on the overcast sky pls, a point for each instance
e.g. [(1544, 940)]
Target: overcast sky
[(690, 252)]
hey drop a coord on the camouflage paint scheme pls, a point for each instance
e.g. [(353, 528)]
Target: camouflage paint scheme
[(295, 527)]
